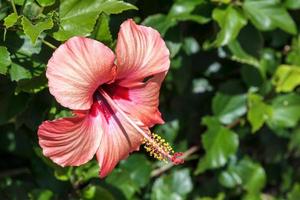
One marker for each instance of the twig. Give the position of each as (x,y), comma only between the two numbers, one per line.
(186,154)
(166,167)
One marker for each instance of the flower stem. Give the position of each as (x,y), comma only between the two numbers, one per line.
(14,7)
(49,44)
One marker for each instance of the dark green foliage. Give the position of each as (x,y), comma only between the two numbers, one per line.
(231,99)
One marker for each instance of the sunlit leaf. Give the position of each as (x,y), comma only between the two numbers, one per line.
(5,60)
(258,112)
(268,15)
(219,144)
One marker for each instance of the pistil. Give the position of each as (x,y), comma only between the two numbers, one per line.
(154,144)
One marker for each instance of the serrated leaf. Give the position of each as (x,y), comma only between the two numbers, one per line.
(79,17)
(268,15)
(258,111)
(5,60)
(33,31)
(286,78)
(231,21)
(219,144)
(229,107)
(10,20)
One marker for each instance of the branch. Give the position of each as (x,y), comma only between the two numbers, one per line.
(166,167)
(14,172)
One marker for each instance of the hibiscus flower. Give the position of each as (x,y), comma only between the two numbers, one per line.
(114,99)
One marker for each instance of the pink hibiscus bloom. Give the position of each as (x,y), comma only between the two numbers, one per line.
(114,100)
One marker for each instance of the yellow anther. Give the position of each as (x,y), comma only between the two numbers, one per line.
(157,147)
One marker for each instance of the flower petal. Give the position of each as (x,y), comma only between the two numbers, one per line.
(141,100)
(119,139)
(141,52)
(71,141)
(76,69)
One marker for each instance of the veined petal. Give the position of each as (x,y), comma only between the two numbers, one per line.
(140,52)
(119,139)
(76,69)
(141,100)
(71,141)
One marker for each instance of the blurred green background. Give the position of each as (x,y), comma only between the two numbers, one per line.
(231,99)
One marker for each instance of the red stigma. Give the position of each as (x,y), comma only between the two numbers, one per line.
(176,160)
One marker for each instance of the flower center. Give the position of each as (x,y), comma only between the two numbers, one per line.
(154,144)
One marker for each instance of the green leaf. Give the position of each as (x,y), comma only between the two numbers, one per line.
(10,104)
(231,21)
(5,60)
(240,55)
(292,4)
(139,168)
(221,196)
(87,171)
(174,186)
(102,31)
(34,85)
(45,3)
(182,8)
(258,111)
(250,175)
(18,72)
(19,2)
(182,11)
(96,192)
(286,78)
(294,143)
(190,45)
(228,108)
(293,57)
(160,22)
(33,31)
(120,178)
(40,194)
(295,193)
(79,17)
(268,15)
(116,6)
(286,111)
(10,20)
(219,144)
(230,178)
(174,48)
